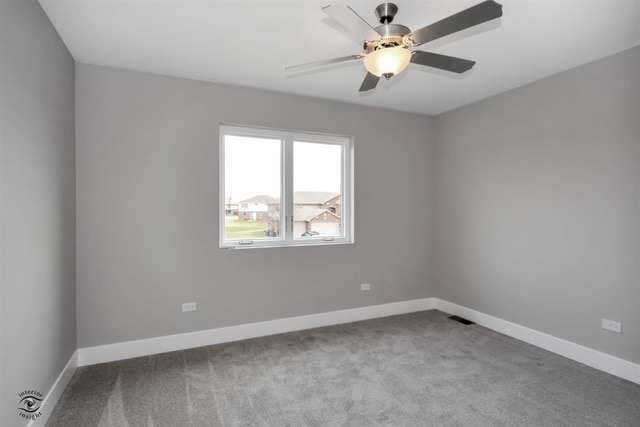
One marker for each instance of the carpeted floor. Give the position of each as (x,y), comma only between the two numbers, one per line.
(409,370)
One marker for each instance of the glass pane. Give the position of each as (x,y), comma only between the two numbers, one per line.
(317,184)
(252,187)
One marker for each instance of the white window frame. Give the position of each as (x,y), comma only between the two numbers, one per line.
(286,200)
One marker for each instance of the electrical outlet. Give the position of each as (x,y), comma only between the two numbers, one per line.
(612,325)
(188,306)
(365,287)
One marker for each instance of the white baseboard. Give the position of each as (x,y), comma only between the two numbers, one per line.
(588,356)
(52,397)
(127,350)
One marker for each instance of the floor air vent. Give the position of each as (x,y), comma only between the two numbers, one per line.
(462,320)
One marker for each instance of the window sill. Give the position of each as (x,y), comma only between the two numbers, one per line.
(264,245)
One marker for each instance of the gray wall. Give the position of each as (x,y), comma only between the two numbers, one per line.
(37,211)
(147,209)
(538,205)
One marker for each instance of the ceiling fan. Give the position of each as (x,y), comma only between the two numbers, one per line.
(387,45)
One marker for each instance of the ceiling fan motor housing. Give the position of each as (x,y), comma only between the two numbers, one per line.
(392,35)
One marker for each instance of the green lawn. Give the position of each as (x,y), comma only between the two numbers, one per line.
(239,229)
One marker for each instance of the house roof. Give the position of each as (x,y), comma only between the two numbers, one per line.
(267,200)
(307,213)
(313,197)
(299,197)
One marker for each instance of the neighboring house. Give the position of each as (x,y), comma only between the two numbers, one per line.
(310,219)
(256,208)
(317,211)
(314,211)
(320,199)
(231,207)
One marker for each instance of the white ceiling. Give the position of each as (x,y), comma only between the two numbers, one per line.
(248,43)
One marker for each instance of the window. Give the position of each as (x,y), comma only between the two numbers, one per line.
(290,188)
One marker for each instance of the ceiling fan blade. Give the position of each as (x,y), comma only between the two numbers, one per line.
(311,65)
(350,20)
(443,62)
(370,82)
(483,12)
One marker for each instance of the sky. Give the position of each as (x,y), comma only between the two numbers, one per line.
(252,167)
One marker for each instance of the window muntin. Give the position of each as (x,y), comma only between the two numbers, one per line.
(290,188)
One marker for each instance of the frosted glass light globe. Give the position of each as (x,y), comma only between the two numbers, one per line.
(387,62)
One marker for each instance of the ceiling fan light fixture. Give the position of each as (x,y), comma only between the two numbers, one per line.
(388,61)
(386,47)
